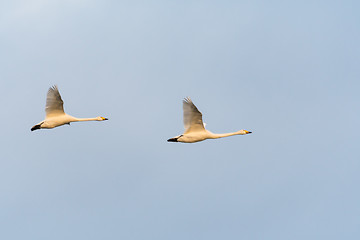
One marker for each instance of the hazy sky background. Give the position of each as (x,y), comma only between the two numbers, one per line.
(286,70)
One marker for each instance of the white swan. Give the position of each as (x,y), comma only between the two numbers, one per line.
(55,115)
(194,127)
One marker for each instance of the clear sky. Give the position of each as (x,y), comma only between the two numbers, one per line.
(286,70)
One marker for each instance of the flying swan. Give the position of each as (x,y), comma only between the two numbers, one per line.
(55,115)
(194,127)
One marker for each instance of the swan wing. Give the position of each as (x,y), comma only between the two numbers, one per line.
(192,117)
(54,103)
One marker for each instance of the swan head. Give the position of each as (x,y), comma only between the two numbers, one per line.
(101,119)
(243,132)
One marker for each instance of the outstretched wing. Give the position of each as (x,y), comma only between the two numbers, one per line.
(54,103)
(192,117)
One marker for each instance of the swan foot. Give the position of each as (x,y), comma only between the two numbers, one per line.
(36,127)
(172,140)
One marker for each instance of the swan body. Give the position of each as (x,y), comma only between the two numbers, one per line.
(195,128)
(55,115)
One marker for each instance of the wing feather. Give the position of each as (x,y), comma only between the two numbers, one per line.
(54,103)
(192,117)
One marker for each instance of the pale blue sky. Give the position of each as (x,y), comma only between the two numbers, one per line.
(286,70)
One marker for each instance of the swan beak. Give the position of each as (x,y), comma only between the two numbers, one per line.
(104,118)
(247,132)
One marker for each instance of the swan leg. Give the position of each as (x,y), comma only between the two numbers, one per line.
(175,139)
(172,140)
(36,127)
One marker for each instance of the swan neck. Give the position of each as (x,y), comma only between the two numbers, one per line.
(84,119)
(221,135)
